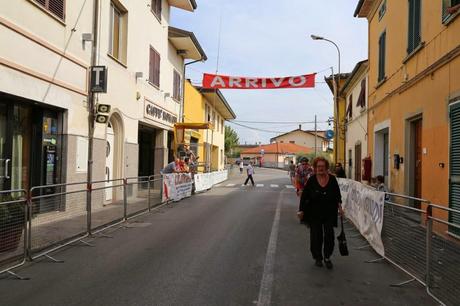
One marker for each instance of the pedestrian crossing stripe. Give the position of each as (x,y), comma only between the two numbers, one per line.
(260,185)
(231,185)
(289,187)
(274,185)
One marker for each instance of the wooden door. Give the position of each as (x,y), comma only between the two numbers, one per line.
(358,162)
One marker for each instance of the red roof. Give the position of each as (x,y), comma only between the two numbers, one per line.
(280,148)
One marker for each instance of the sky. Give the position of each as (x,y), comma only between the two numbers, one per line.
(271,38)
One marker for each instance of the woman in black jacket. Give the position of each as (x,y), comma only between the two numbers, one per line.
(319,206)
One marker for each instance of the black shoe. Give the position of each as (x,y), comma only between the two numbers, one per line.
(328,263)
(318,263)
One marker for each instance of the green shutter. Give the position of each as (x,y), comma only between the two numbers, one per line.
(454,190)
(413,34)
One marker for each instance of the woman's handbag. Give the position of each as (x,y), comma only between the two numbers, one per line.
(342,241)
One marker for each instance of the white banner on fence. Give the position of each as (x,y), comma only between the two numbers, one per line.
(176,186)
(364,207)
(204,181)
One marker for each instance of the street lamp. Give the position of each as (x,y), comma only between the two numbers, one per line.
(337,80)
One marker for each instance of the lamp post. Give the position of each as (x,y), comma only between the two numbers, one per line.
(336,94)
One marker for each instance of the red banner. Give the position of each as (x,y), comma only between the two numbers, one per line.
(229,82)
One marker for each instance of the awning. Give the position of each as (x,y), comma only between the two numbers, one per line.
(186,44)
(188,5)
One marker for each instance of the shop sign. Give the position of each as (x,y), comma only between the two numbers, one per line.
(158,114)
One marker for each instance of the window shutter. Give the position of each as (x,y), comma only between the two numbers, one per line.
(156,76)
(56,7)
(362,95)
(43,2)
(349,113)
(382,46)
(413,35)
(410,30)
(417,23)
(151,65)
(454,190)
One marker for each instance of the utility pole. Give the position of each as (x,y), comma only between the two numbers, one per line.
(316,138)
(91,109)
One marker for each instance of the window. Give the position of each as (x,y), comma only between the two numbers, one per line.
(382,47)
(156,8)
(118,33)
(154,67)
(349,113)
(383,9)
(450,8)
(55,7)
(291,141)
(177,86)
(362,95)
(413,34)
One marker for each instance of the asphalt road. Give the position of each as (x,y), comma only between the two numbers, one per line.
(232,245)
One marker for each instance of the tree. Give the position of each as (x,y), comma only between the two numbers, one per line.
(231,140)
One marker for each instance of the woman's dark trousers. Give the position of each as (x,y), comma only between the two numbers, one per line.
(321,234)
(249,178)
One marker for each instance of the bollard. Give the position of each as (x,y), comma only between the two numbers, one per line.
(125,199)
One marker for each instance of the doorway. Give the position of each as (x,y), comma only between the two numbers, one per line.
(147,144)
(381,154)
(358,162)
(415,153)
(109,161)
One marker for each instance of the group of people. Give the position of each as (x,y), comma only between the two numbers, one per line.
(188,163)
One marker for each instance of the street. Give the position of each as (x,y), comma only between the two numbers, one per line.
(232,245)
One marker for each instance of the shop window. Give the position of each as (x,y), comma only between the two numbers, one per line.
(154,67)
(118,32)
(55,7)
(413,35)
(155,7)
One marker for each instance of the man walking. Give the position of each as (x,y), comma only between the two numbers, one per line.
(250,172)
(241,166)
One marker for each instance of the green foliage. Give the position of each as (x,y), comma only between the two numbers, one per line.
(231,141)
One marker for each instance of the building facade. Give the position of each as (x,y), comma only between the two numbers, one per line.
(44,88)
(275,155)
(414,94)
(304,138)
(355,92)
(201,106)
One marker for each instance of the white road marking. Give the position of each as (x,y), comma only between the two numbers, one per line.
(230,185)
(260,185)
(266,285)
(218,185)
(274,186)
(289,187)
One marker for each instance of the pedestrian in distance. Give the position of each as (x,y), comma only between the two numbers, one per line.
(291,172)
(320,204)
(250,172)
(303,173)
(339,171)
(241,166)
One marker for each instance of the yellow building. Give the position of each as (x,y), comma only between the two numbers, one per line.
(339,119)
(414,95)
(207,105)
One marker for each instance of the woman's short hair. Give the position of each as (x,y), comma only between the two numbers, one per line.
(320,159)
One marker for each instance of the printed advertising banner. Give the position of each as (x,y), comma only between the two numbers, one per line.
(204,181)
(364,207)
(176,186)
(213,81)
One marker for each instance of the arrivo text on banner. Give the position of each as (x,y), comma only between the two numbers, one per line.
(214,81)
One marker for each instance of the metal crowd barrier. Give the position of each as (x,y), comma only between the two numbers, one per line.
(13,225)
(418,240)
(47,218)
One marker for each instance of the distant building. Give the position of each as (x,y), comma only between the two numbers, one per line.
(355,92)
(275,155)
(304,138)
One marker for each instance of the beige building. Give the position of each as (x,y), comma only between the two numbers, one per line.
(304,138)
(355,91)
(44,87)
(274,155)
